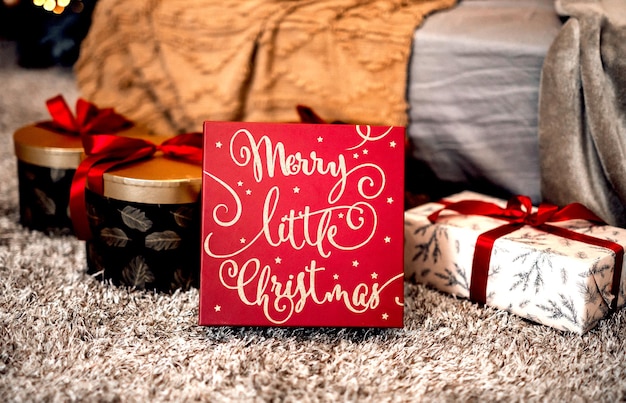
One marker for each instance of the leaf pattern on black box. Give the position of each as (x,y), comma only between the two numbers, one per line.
(135,219)
(46,203)
(95,218)
(114,237)
(137,273)
(26,215)
(44,198)
(142,245)
(183,216)
(181,280)
(57,174)
(166,240)
(95,260)
(30,175)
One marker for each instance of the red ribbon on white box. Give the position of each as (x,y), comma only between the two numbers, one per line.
(519,213)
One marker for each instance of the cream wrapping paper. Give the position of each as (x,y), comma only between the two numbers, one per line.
(555,281)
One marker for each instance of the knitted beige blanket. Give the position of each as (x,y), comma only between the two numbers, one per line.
(171,66)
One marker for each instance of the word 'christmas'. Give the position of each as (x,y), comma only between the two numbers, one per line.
(256,285)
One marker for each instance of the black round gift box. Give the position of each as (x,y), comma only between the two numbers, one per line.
(46,163)
(146,226)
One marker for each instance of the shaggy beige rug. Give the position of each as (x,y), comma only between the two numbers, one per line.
(64,336)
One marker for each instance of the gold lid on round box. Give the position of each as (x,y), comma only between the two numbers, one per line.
(155,180)
(46,148)
(38,146)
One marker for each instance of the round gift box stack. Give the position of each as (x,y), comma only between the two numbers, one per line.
(146,226)
(46,164)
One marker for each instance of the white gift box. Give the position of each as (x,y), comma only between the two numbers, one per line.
(549,279)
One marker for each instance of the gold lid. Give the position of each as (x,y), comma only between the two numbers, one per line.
(158,180)
(42,147)
(47,148)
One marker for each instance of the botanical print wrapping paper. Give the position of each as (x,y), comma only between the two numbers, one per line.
(548,279)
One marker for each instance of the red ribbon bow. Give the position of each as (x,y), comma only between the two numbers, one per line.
(519,212)
(89,118)
(106,151)
(519,209)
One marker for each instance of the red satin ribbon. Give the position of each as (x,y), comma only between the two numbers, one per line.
(89,118)
(106,151)
(518,213)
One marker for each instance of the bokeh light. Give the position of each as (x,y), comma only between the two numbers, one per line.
(58,6)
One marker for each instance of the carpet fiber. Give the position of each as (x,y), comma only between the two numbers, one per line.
(64,336)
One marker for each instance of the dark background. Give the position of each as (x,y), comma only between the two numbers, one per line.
(44,38)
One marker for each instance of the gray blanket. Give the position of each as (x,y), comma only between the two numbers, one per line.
(582,109)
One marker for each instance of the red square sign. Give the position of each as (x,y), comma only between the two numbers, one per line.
(302,225)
